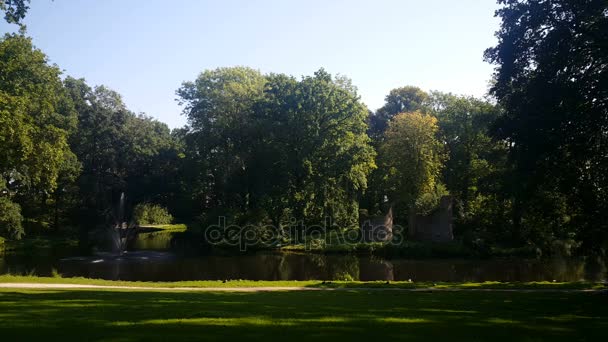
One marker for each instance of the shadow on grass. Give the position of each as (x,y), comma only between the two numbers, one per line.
(489,285)
(320,316)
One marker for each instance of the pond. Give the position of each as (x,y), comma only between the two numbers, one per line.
(154,259)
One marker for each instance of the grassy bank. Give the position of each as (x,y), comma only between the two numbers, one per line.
(39,245)
(411,249)
(166,227)
(308,283)
(111,315)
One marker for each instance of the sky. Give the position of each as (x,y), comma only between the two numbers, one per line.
(145,49)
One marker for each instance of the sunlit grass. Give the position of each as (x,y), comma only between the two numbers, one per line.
(355,315)
(56,279)
(168,227)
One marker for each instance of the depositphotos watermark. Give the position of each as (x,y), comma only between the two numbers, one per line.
(266,235)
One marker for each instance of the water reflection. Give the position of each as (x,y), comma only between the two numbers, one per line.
(165,256)
(152,266)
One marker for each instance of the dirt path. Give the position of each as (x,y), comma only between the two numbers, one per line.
(38,286)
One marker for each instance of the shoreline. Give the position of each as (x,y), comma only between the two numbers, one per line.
(60,286)
(17,281)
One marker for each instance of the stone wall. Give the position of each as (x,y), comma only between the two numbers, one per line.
(436,226)
(378,228)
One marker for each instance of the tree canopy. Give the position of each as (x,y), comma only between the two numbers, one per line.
(526,166)
(36,117)
(309,135)
(551,79)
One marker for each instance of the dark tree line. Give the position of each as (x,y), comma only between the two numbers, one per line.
(527,166)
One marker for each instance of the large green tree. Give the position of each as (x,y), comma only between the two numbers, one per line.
(314,132)
(219,107)
(36,117)
(464,124)
(119,151)
(398,100)
(274,144)
(412,157)
(552,80)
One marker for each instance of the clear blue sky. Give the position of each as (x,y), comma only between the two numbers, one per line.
(146,49)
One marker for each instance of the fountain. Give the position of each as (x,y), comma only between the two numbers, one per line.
(121,233)
(111,255)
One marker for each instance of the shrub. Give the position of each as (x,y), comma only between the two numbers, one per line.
(148,213)
(10,219)
(429,201)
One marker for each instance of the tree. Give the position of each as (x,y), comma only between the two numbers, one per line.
(10,219)
(14,10)
(219,105)
(399,100)
(37,118)
(119,151)
(276,145)
(464,124)
(412,158)
(550,77)
(314,136)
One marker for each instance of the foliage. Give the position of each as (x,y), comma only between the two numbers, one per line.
(412,157)
(427,202)
(550,78)
(14,10)
(399,100)
(119,151)
(10,219)
(37,118)
(148,213)
(474,158)
(527,172)
(290,148)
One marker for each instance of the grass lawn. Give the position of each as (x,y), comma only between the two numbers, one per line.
(357,315)
(167,227)
(545,285)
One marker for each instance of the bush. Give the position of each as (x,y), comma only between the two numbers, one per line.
(10,219)
(148,213)
(429,201)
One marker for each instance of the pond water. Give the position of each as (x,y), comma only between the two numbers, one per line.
(157,261)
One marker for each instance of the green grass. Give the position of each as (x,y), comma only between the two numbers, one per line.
(39,244)
(357,315)
(409,249)
(167,227)
(308,283)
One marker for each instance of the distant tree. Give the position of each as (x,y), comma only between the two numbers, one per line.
(399,100)
(464,124)
(219,106)
(551,79)
(10,219)
(272,143)
(314,138)
(412,158)
(119,151)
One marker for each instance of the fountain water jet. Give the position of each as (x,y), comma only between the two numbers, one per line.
(121,233)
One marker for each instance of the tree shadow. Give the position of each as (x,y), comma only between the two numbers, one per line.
(319,315)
